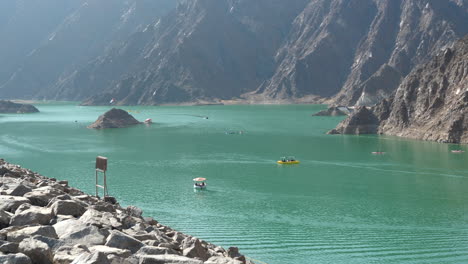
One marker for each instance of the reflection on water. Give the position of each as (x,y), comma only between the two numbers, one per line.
(342,204)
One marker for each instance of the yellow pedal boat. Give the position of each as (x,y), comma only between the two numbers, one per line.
(288,161)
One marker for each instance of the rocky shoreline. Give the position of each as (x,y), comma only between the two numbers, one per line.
(430,104)
(43,220)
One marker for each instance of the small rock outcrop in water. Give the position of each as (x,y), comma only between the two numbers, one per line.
(45,221)
(363,121)
(8,107)
(334,111)
(430,104)
(114,118)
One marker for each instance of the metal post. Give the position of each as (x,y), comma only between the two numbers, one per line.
(101,166)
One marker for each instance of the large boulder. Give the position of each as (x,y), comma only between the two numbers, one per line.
(68,226)
(67,207)
(114,118)
(20,235)
(8,107)
(32,216)
(94,258)
(11,203)
(193,248)
(149,250)
(67,254)
(42,195)
(18,258)
(111,252)
(88,236)
(8,247)
(4,219)
(38,251)
(100,219)
(165,259)
(19,190)
(120,240)
(222,260)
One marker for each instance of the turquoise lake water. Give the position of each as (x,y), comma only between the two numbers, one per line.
(340,205)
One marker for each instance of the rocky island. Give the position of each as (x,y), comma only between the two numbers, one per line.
(334,111)
(430,104)
(45,221)
(114,118)
(9,107)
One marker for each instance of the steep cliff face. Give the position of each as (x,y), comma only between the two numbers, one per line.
(431,103)
(205,50)
(24,26)
(78,33)
(358,51)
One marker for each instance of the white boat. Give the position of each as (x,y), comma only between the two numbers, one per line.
(199,183)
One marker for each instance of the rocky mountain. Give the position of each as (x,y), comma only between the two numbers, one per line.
(24,26)
(206,50)
(354,51)
(357,51)
(209,51)
(430,104)
(74,32)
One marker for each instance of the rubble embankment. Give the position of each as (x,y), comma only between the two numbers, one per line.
(44,220)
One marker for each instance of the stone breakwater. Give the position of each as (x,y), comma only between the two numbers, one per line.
(43,220)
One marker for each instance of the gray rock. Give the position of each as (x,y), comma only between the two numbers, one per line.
(67,254)
(53,243)
(68,226)
(11,203)
(150,220)
(233,252)
(134,211)
(67,208)
(166,259)
(41,196)
(122,253)
(19,190)
(63,182)
(32,216)
(193,248)
(18,258)
(168,245)
(222,260)
(120,240)
(61,218)
(4,219)
(110,199)
(8,247)
(20,235)
(101,219)
(62,197)
(88,236)
(104,207)
(150,250)
(38,251)
(94,258)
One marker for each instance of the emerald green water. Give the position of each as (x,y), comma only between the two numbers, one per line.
(340,205)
